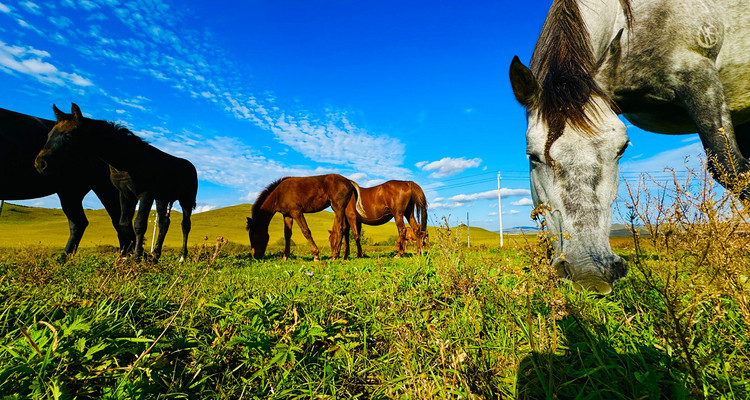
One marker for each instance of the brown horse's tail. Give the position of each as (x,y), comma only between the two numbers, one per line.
(420,206)
(360,207)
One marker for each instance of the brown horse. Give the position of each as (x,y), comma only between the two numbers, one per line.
(411,238)
(294,196)
(392,199)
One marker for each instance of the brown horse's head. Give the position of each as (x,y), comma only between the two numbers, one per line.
(258,239)
(57,150)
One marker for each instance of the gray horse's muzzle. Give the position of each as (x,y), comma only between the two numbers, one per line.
(598,275)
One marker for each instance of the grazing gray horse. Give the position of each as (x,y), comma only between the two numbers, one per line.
(673,67)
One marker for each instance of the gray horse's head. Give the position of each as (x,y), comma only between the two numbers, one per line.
(573,156)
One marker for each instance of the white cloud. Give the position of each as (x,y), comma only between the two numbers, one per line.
(30,61)
(30,6)
(4,9)
(523,202)
(438,205)
(490,194)
(448,166)
(203,208)
(511,212)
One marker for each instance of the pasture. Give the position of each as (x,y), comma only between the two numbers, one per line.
(456,323)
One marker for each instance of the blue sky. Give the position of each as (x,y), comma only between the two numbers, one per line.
(255,90)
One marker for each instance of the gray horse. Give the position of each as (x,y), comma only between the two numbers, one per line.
(668,66)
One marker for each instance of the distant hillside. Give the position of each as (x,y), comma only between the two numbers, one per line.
(21,225)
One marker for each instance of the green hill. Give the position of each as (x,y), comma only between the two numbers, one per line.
(21,225)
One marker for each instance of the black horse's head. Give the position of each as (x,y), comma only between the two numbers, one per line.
(58,151)
(258,239)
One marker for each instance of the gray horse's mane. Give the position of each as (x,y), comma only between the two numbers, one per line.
(564,65)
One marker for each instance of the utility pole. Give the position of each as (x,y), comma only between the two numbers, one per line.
(468,236)
(499,208)
(153,237)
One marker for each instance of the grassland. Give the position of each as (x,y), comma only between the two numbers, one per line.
(21,226)
(479,323)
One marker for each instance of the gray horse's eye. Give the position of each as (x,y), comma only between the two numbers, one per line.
(534,158)
(622,150)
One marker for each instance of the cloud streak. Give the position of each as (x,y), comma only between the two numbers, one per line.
(448,166)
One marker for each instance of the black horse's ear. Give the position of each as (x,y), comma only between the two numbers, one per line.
(77,114)
(249,224)
(525,86)
(58,114)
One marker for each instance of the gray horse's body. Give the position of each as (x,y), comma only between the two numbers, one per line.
(669,67)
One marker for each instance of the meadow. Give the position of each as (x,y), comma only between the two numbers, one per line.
(457,322)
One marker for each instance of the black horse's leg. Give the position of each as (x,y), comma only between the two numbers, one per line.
(110,198)
(127,210)
(162,212)
(141,222)
(186,225)
(73,208)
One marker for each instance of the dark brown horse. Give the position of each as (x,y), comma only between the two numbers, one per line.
(294,196)
(392,199)
(139,170)
(21,138)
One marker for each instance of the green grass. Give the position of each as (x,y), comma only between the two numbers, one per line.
(455,323)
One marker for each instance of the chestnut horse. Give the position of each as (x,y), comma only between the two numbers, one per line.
(294,196)
(139,170)
(21,137)
(392,199)
(411,238)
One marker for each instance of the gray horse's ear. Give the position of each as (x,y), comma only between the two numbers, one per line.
(612,54)
(525,86)
(77,114)
(58,114)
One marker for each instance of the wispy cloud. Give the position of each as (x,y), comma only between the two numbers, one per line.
(448,166)
(157,44)
(32,62)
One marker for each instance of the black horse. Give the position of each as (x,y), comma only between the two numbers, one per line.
(139,170)
(21,137)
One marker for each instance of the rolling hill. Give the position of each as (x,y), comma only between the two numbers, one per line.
(20,225)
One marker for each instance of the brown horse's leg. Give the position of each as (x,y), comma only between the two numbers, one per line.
(141,223)
(399,217)
(162,212)
(359,237)
(186,225)
(417,230)
(300,218)
(288,222)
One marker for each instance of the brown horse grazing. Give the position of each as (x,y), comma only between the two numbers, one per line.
(411,238)
(21,137)
(392,199)
(139,170)
(294,196)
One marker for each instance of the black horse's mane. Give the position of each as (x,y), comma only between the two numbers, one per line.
(121,130)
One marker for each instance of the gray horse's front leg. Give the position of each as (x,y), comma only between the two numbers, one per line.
(702,96)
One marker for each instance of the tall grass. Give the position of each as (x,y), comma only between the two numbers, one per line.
(483,323)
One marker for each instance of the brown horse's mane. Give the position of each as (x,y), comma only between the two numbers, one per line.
(564,64)
(264,195)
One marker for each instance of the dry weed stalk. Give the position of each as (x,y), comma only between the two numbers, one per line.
(697,258)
